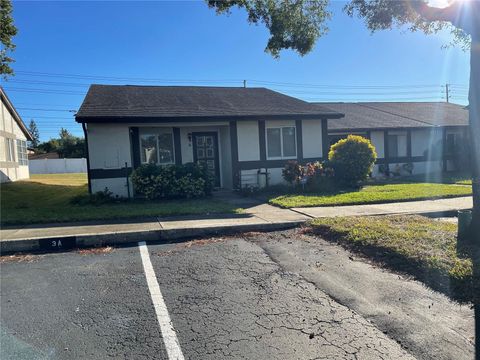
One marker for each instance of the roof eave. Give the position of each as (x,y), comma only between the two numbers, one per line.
(16,115)
(126,119)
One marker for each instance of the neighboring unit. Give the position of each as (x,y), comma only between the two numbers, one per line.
(13,142)
(410,137)
(243,135)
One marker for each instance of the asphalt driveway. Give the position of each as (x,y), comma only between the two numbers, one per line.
(216,298)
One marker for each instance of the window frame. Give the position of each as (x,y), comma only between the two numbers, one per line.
(22,155)
(282,156)
(10,150)
(156,134)
(454,136)
(390,155)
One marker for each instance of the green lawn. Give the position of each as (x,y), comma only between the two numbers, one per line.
(46,198)
(452,177)
(75,179)
(420,246)
(373,194)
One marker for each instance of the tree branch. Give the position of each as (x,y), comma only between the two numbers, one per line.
(450,13)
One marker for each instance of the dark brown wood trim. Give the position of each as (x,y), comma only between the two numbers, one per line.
(444,149)
(234,153)
(386,154)
(136,161)
(221,118)
(325,141)
(404,159)
(110,173)
(177,145)
(299,139)
(271,164)
(262,140)
(409,143)
(89,175)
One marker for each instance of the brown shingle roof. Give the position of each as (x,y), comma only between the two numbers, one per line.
(374,115)
(136,103)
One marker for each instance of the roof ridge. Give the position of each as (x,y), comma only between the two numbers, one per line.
(181,86)
(391,113)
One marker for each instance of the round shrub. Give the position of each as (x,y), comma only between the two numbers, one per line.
(352,159)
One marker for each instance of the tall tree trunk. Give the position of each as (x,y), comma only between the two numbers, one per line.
(474,122)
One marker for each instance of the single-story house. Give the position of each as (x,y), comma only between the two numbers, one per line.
(13,142)
(245,136)
(409,137)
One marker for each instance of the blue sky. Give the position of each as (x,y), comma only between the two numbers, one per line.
(64,46)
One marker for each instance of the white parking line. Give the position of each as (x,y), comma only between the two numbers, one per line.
(166,327)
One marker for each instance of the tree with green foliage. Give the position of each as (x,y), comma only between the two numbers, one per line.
(7,32)
(33,130)
(66,146)
(70,146)
(297,24)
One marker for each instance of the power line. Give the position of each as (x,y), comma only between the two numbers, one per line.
(34,109)
(356,93)
(45,91)
(344,86)
(239,81)
(47,83)
(79,76)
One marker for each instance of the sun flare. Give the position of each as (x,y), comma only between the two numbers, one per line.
(443,3)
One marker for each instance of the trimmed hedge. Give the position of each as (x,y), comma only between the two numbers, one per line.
(172,181)
(352,159)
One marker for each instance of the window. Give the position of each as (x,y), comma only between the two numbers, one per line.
(10,149)
(397,145)
(156,149)
(165,148)
(451,142)
(148,146)
(281,142)
(22,152)
(393,146)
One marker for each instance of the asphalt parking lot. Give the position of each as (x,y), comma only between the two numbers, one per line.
(219,298)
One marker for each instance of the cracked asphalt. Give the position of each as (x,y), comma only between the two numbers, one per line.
(227,298)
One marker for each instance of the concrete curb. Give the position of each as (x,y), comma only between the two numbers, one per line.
(62,243)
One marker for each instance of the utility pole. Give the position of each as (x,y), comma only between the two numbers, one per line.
(446,92)
(244,83)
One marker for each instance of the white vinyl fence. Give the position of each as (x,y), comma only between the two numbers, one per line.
(57,166)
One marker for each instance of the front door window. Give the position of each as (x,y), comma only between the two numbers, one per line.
(206,152)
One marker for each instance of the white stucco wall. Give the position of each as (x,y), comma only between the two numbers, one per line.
(312,138)
(377,139)
(10,171)
(108,146)
(248,141)
(118,186)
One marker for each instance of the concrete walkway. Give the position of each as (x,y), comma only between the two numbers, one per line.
(409,207)
(256,217)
